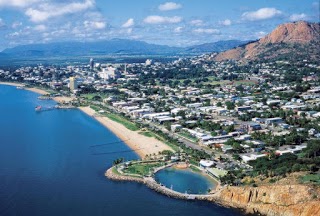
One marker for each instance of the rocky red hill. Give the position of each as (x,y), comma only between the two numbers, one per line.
(298,40)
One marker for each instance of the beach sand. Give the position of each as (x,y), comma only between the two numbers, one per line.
(11,84)
(141,144)
(36,90)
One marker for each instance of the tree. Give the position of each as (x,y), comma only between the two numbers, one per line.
(167,125)
(230,105)
(313,148)
(118,161)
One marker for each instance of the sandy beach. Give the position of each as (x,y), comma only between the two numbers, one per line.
(141,144)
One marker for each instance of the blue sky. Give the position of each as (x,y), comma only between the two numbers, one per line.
(178,23)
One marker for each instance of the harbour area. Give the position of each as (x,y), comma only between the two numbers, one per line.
(119,173)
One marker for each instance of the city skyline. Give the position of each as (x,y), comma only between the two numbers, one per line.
(182,23)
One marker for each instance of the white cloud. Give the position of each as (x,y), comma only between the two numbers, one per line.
(40,28)
(17,3)
(206,31)
(128,24)
(162,20)
(197,22)
(16,24)
(46,11)
(178,29)
(226,22)
(169,6)
(2,24)
(129,30)
(261,14)
(14,34)
(261,34)
(94,24)
(297,17)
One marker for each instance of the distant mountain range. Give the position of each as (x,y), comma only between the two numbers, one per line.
(289,41)
(112,47)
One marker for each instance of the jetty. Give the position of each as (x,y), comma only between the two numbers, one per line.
(49,108)
(43,97)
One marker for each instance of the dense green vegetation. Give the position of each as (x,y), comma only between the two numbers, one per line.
(279,166)
(274,165)
(310,178)
(117,118)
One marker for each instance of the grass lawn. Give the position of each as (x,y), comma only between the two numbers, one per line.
(311,178)
(228,82)
(141,169)
(194,168)
(123,121)
(147,133)
(188,136)
(95,108)
(89,96)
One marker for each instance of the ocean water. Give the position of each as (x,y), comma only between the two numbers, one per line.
(185,180)
(49,166)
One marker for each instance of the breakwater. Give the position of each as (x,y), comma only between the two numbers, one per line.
(114,174)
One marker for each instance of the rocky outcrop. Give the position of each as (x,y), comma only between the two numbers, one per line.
(301,38)
(283,200)
(298,32)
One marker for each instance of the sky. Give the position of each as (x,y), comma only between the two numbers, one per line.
(174,23)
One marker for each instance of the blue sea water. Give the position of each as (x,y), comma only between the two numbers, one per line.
(49,167)
(185,180)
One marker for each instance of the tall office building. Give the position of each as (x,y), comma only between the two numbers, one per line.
(73,83)
(91,64)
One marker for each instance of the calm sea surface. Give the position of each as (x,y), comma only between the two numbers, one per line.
(185,180)
(48,166)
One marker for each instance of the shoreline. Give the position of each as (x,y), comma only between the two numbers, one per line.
(38,91)
(139,143)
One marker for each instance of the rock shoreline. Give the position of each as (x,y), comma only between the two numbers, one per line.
(152,184)
(272,200)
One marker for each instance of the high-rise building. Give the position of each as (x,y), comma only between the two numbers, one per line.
(148,62)
(91,64)
(73,83)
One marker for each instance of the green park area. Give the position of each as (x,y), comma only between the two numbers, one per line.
(143,169)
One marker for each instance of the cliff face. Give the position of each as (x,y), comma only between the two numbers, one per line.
(300,38)
(284,200)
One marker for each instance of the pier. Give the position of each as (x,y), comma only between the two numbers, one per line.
(43,109)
